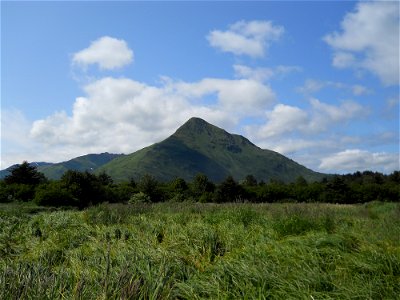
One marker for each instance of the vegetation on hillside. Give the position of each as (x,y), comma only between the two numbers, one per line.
(200,147)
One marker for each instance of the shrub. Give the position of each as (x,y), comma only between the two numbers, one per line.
(53,194)
(17,192)
(140,198)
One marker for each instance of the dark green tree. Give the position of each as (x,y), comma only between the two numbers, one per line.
(105,179)
(229,191)
(178,190)
(337,191)
(54,194)
(86,187)
(300,181)
(179,185)
(150,186)
(201,184)
(22,182)
(250,180)
(202,188)
(25,174)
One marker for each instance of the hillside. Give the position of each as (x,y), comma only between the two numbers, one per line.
(89,162)
(199,147)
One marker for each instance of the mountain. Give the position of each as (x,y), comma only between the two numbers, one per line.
(89,162)
(199,147)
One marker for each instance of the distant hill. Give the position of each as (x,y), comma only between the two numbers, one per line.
(199,147)
(89,162)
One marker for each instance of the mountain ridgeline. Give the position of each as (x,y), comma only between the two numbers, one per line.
(89,162)
(199,147)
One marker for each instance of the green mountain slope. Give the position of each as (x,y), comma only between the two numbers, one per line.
(199,147)
(89,162)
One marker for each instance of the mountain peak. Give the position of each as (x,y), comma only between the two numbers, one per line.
(197,126)
(195,122)
(199,132)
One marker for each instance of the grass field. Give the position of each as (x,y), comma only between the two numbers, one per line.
(196,251)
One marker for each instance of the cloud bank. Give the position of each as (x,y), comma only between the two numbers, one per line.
(356,159)
(124,115)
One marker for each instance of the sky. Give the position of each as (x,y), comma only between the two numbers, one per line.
(317,81)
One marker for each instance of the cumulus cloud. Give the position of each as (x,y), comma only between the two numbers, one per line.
(246,38)
(241,96)
(325,115)
(369,39)
(263,74)
(356,159)
(107,52)
(124,115)
(285,119)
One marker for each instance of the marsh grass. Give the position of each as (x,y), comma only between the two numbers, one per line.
(198,251)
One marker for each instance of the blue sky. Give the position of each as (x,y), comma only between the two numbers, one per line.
(315,81)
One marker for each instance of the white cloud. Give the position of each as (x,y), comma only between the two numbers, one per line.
(123,115)
(324,115)
(343,60)
(263,74)
(359,90)
(285,119)
(107,52)
(14,137)
(369,40)
(246,38)
(312,86)
(16,143)
(356,159)
(14,125)
(241,96)
(258,74)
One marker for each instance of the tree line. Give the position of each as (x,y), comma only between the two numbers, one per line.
(83,189)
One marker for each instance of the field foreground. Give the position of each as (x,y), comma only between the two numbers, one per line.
(195,251)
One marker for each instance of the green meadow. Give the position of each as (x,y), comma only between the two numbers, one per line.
(201,251)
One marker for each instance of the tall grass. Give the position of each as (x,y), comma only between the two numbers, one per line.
(199,251)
